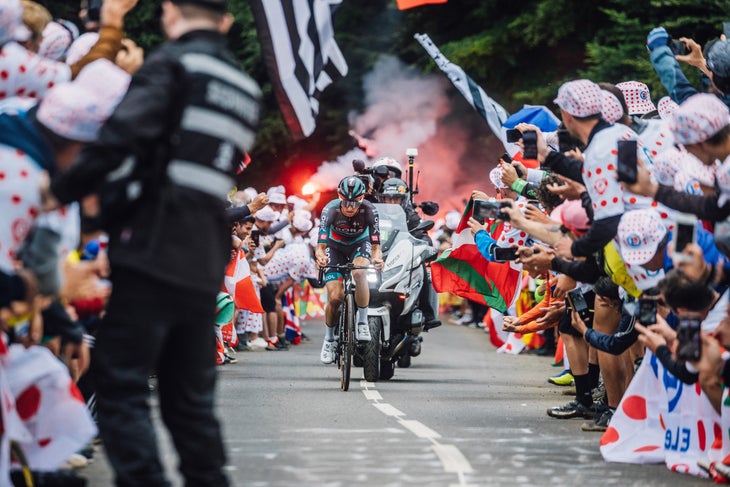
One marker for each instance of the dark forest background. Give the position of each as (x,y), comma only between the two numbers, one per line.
(519,52)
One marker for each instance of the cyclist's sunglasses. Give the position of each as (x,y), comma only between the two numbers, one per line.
(351,203)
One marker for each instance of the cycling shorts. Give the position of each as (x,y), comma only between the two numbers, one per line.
(342,254)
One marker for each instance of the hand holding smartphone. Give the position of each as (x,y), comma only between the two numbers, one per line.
(578,303)
(504,254)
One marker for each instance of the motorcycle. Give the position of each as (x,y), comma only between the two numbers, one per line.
(395,320)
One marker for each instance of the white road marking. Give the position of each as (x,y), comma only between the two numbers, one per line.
(372,395)
(388,410)
(452,460)
(419,429)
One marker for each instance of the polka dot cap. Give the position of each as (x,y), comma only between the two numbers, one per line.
(697,119)
(638,99)
(611,110)
(668,164)
(639,234)
(80,47)
(56,41)
(666,107)
(580,98)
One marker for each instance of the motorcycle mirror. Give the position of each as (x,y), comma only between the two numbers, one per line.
(429,208)
(424,226)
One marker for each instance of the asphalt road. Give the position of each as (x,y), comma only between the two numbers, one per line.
(461,415)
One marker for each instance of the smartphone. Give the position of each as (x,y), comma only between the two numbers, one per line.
(627,161)
(726,29)
(255,237)
(565,141)
(688,336)
(485,210)
(501,215)
(503,254)
(685,233)
(677,47)
(529,140)
(513,135)
(647,311)
(578,303)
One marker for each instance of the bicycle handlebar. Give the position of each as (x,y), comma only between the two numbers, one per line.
(349,267)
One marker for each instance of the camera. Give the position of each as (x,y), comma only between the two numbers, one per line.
(94,10)
(411,152)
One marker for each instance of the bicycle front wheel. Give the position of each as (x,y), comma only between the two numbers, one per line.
(347,340)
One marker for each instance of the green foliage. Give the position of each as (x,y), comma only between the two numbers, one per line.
(519,52)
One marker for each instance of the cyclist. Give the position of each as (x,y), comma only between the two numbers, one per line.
(348,232)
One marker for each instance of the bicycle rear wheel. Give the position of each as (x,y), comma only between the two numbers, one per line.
(347,340)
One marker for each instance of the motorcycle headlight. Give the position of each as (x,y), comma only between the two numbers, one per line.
(373,278)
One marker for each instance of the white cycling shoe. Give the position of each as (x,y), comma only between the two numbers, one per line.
(362,332)
(327,356)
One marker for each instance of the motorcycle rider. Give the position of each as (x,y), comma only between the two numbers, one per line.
(348,232)
(395,191)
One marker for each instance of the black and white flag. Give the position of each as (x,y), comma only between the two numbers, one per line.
(493,112)
(301,55)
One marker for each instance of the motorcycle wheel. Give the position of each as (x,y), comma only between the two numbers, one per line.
(371,352)
(404,361)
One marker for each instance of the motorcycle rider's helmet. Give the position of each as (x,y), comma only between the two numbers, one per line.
(396,189)
(351,191)
(392,166)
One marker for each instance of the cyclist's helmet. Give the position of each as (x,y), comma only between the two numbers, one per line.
(351,190)
(392,166)
(395,188)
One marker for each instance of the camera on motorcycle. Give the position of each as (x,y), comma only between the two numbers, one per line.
(359,166)
(429,208)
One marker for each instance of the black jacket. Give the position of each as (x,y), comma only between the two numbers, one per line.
(177,100)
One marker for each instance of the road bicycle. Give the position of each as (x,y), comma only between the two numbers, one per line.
(346,339)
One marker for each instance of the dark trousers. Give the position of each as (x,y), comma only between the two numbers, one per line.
(154,326)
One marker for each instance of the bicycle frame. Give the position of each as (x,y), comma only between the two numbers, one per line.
(346,323)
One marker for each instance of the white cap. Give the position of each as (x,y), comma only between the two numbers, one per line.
(302,223)
(639,235)
(267,214)
(78,109)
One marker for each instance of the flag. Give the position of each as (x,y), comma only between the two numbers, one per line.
(406,4)
(490,110)
(237,282)
(463,271)
(301,55)
(291,320)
